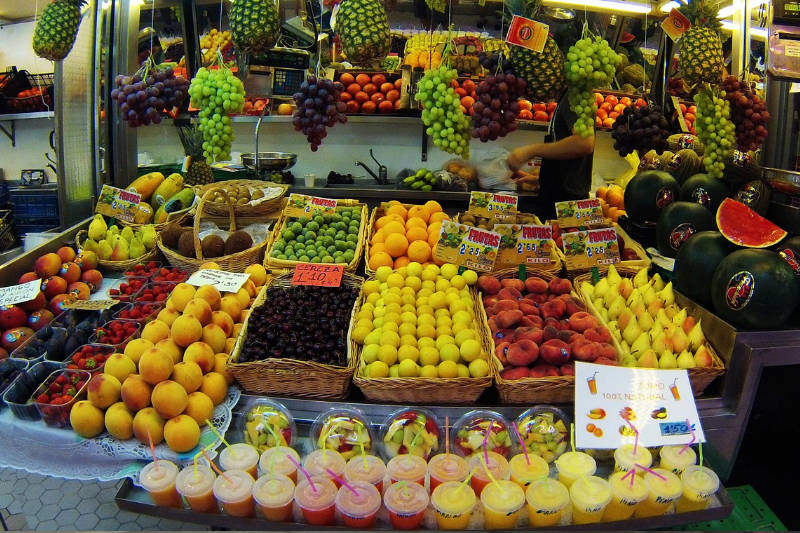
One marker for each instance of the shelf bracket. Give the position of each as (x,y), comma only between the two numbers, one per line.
(424,155)
(12,135)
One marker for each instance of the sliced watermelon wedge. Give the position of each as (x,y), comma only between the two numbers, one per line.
(744,227)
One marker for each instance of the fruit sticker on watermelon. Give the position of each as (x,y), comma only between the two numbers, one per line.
(744,227)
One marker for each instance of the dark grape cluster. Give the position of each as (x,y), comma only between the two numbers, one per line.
(318,107)
(142,98)
(490,61)
(642,130)
(748,113)
(496,108)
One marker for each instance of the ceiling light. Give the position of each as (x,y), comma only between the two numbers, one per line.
(727,11)
(669,6)
(618,6)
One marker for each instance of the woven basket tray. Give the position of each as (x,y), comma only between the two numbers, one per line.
(643,261)
(116,266)
(221,210)
(237,262)
(291,377)
(172,218)
(700,378)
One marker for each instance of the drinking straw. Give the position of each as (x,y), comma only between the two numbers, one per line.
(215,467)
(152,449)
(344,483)
(304,471)
(268,426)
(489,474)
(364,455)
(469,476)
(404,486)
(662,478)
(572,436)
(219,436)
(447,435)
(630,473)
(521,442)
(688,444)
(701,453)
(485,439)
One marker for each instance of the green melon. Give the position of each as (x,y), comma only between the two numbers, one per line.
(648,193)
(696,262)
(755,195)
(704,190)
(754,289)
(684,163)
(678,222)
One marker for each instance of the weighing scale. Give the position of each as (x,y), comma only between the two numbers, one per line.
(279,72)
(783,59)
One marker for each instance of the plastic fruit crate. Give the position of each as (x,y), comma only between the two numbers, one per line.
(18,395)
(57,415)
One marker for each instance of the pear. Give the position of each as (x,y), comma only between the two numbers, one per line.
(671,311)
(667,360)
(97,228)
(121,251)
(588,289)
(629,361)
(616,307)
(613,276)
(127,234)
(149,236)
(657,282)
(631,332)
(633,297)
(649,296)
(136,248)
(638,308)
(666,295)
(679,317)
(625,288)
(625,347)
(686,360)
(103,250)
(624,318)
(640,279)
(702,358)
(611,294)
(598,303)
(662,343)
(696,337)
(641,344)
(654,307)
(603,315)
(662,320)
(646,322)
(648,359)
(601,288)
(90,245)
(687,324)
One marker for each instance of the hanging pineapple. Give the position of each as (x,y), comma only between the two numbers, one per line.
(363,29)
(701,47)
(254,25)
(57,28)
(198,173)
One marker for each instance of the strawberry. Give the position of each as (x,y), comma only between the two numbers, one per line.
(43,398)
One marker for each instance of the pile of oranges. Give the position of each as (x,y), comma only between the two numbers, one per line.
(612,199)
(405,233)
(369,94)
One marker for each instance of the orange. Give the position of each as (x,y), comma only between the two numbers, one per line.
(416,222)
(398,210)
(393,227)
(381,222)
(433,206)
(616,197)
(377,248)
(416,234)
(433,238)
(396,244)
(401,261)
(378,236)
(419,211)
(419,251)
(380,259)
(438,217)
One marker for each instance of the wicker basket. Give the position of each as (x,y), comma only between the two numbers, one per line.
(276,265)
(290,376)
(172,218)
(232,263)
(421,390)
(266,207)
(642,262)
(116,266)
(700,378)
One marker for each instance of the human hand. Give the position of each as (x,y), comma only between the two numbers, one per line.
(524,177)
(517,158)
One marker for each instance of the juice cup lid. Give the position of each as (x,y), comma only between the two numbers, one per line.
(158,476)
(273,491)
(239,456)
(323,498)
(590,491)
(373,472)
(406,498)
(538,467)
(193,482)
(625,490)
(408,467)
(317,461)
(498,465)
(453,497)
(448,467)
(280,464)
(673,454)
(700,479)
(234,486)
(625,457)
(577,463)
(668,487)
(551,491)
(365,503)
(503,497)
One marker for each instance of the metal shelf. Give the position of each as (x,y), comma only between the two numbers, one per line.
(14,117)
(525,125)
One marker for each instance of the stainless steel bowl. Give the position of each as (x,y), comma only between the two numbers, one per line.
(270,160)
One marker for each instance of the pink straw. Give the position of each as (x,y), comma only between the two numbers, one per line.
(522,443)
(694,438)
(344,483)
(485,439)
(152,449)
(662,478)
(632,474)
(304,471)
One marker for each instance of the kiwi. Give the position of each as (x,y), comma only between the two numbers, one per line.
(171,234)
(186,244)
(238,241)
(213,246)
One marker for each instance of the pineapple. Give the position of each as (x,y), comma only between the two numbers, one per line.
(57,28)
(199,173)
(363,29)
(254,25)
(701,47)
(543,71)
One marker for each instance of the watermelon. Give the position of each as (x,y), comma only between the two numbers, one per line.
(648,193)
(755,195)
(754,289)
(704,190)
(696,262)
(741,167)
(678,222)
(684,164)
(789,250)
(744,227)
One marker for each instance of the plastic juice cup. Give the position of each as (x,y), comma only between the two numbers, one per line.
(280,464)
(406,504)
(366,468)
(502,502)
(410,468)
(625,498)
(498,466)
(274,495)
(661,493)
(453,503)
(547,499)
(317,461)
(196,485)
(572,465)
(240,456)
(676,462)
(234,491)
(358,510)
(523,474)
(590,496)
(699,484)
(447,467)
(158,479)
(625,459)
(318,507)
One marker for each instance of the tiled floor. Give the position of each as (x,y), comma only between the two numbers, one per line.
(31,501)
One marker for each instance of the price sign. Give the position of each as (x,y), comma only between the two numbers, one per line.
(90,305)
(304,205)
(223,281)
(575,213)
(524,244)
(467,246)
(613,403)
(118,203)
(527,33)
(681,119)
(491,205)
(675,25)
(20,293)
(585,249)
(318,275)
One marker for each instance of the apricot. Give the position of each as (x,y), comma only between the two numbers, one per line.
(181,294)
(489,284)
(536,285)
(147,425)
(103,390)
(229,345)
(155,331)
(186,329)
(202,354)
(188,375)
(223,320)
(232,306)
(258,274)
(135,348)
(155,366)
(198,308)
(215,387)
(555,351)
(243,296)
(136,392)
(168,316)
(221,366)
(169,399)
(86,419)
(522,353)
(169,347)
(214,336)
(251,288)
(119,421)
(120,366)
(200,407)
(237,327)
(514,283)
(182,433)
(210,294)
(47,265)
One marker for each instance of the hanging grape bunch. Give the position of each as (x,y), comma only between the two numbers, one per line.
(446,123)
(216,93)
(590,63)
(496,107)
(491,60)
(148,93)
(642,130)
(714,129)
(318,106)
(748,112)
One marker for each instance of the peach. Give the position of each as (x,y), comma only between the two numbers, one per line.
(186,329)
(581,321)
(86,419)
(578,340)
(103,390)
(598,334)
(568,369)
(200,407)
(155,331)
(155,366)
(536,285)
(586,352)
(70,272)
(243,296)
(169,347)
(229,344)
(574,305)
(34,305)
(119,421)
(27,277)
(198,308)
(531,334)
(230,304)
(148,425)
(489,301)
(250,287)
(224,321)
(182,433)
(566,335)
(54,285)
(258,274)
(214,336)
(509,293)
(555,351)
(136,392)
(489,284)
(550,332)
(120,366)
(47,265)
(492,324)
(86,260)
(168,316)
(605,361)
(169,399)
(505,305)
(210,294)
(553,308)
(501,350)
(514,283)
(522,353)
(80,290)
(180,296)
(544,371)
(550,321)
(221,366)
(608,351)
(237,327)
(39,319)
(560,286)
(66,254)
(537,298)
(508,319)
(135,348)
(215,387)
(93,278)
(530,321)
(528,309)
(188,375)
(502,334)
(202,354)
(511,374)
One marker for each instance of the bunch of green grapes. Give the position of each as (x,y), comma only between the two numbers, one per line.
(590,63)
(447,125)
(714,129)
(217,93)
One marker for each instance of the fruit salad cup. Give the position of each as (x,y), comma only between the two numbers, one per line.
(545,432)
(412,431)
(470,431)
(266,421)
(344,430)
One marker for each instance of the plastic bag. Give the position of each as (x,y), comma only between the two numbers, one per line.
(493,172)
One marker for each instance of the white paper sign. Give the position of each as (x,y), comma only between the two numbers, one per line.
(223,281)
(20,293)
(613,403)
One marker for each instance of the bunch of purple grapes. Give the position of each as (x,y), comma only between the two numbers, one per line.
(495,110)
(748,112)
(642,130)
(318,107)
(142,100)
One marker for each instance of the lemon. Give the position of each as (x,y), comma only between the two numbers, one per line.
(395,280)
(382,273)
(392,299)
(457,328)
(449,352)
(424,292)
(393,371)
(390,326)
(371,286)
(413,282)
(443,320)
(442,284)
(408,369)
(448,369)
(470,276)
(452,295)
(408,340)
(379,312)
(409,317)
(409,308)
(442,312)
(424,310)
(479,368)
(463,335)
(373,338)
(465,294)
(368,307)
(403,271)
(438,300)
(456,306)
(428,284)
(433,268)
(394,290)
(392,316)
(425,330)
(408,352)
(448,271)
(372,298)
(429,275)
(364,314)
(378,323)
(384,287)
(470,350)
(370,353)
(406,328)
(426,320)
(426,342)
(462,317)
(421,301)
(388,354)
(429,371)
(391,338)
(360,333)
(444,331)
(378,369)
(394,309)
(409,299)
(367,323)
(458,282)
(463,371)
(414,269)
(428,355)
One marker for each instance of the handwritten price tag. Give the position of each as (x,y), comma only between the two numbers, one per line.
(467,246)
(318,275)
(118,203)
(223,281)
(20,293)
(91,305)
(527,33)
(491,205)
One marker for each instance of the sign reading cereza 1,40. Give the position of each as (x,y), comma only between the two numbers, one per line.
(467,246)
